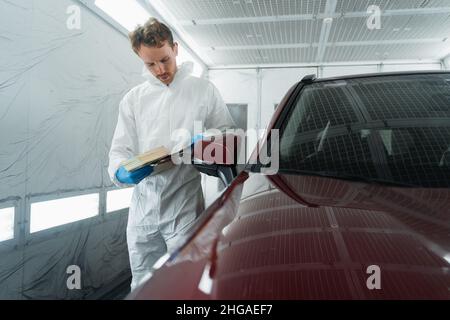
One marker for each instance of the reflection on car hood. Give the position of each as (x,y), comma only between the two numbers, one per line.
(425,210)
(279,249)
(276,248)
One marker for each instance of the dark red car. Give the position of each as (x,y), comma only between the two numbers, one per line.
(359,207)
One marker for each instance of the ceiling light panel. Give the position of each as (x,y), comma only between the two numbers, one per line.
(226,58)
(427,26)
(362,5)
(393,27)
(267,33)
(290,56)
(260,31)
(383,52)
(436,3)
(265,56)
(208,9)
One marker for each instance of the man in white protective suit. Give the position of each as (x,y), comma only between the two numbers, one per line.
(164,204)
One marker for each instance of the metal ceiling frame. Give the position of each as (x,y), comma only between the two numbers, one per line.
(329,64)
(330,9)
(324,44)
(321,16)
(328,17)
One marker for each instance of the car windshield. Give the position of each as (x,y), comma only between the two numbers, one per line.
(392,129)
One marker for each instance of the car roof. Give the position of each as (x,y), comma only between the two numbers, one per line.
(312,79)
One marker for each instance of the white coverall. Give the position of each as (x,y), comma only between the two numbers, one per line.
(165,204)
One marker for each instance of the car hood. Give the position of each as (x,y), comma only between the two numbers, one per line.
(360,242)
(425,211)
(332,251)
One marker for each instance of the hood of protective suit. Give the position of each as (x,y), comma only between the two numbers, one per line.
(184,70)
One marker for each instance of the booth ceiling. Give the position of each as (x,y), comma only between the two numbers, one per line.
(255,32)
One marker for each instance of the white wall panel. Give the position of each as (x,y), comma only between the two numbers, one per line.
(275,84)
(329,72)
(239,86)
(236,87)
(411,67)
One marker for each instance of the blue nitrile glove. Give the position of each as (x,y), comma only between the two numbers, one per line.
(134,177)
(198,137)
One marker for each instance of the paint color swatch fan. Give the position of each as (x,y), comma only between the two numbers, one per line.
(154,157)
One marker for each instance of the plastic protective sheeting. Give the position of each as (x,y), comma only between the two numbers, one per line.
(63,72)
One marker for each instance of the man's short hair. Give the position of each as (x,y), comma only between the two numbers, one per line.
(152,34)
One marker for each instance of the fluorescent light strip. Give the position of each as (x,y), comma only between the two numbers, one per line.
(6,224)
(53,213)
(128,13)
(118,199)
(162,10)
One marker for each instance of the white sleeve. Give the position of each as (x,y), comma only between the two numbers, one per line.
(124,144)
(218,115)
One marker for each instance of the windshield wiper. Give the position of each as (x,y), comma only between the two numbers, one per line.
(345,176)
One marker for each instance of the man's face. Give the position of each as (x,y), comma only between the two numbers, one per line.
(161,62)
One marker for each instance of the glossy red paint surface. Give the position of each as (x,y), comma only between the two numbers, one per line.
(179,278)
(313,238)
(276,248)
